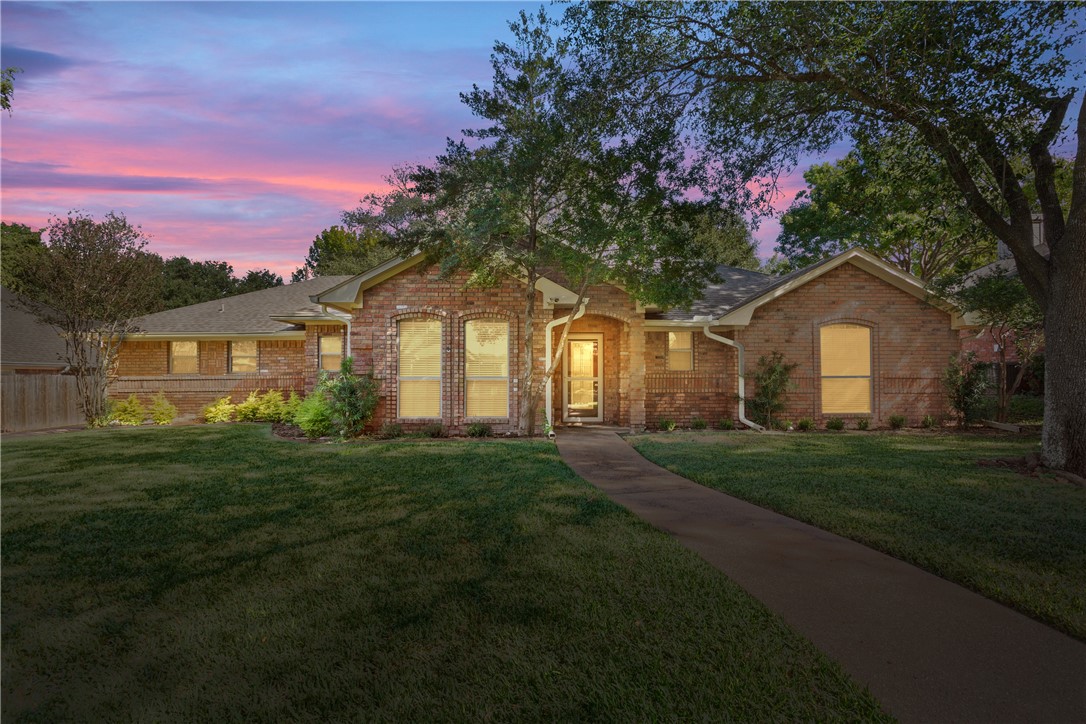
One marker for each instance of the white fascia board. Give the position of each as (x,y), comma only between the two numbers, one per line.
(554,294)
(212,336)
(347,295)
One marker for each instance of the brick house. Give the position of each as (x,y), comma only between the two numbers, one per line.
(868,340)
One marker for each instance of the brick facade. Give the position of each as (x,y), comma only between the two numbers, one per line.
(707,392)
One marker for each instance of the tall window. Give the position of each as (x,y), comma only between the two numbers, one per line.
(184,358)
(330,347)
(680,351)
(243,356)
(486,368)
(420,368)
(846,369)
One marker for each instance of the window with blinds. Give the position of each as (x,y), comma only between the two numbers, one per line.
(243,356)
(486,368)
(846,368)
(331,351)
(184,358)
(420,368)
(680,351)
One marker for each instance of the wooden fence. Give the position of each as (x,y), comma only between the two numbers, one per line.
(38,402)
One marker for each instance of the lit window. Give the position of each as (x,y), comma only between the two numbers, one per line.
(846,369)
(184,358)
(486,368)
(331,352)
(680,351)
(420,368)
(243,356)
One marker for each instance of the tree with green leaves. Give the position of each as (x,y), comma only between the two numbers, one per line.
(20,247)
(339,250)
(95,280)
(256,280)
(982,86)
(549,185)
(7,87)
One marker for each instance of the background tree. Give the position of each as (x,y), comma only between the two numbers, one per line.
(756,84)
(186,281)
(257,279)
(20,247)
(96,279)
(339,250)
(7,87)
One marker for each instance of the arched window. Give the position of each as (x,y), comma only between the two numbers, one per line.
(846,369)
(419,368)
(486,368)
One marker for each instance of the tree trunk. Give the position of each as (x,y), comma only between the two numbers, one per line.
(1002,398)
(527,378)
(1063,445)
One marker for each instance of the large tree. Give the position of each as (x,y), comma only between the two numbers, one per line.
(20,247)
(188,281)
(339,250)
(756,84)
(94,279)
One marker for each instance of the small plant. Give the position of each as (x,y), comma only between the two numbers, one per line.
(806,424)
(928,422)
(772,380)
(314,415)
(249,409)
(390,430)
(835,423)
(863,423)
(725,424)
(271,407)
(163,411)
(221,410)
(435,430)
(897,422)
(698,424)
(782,425)
(290,407)
(129,412)
(965,382)
(352,399)
(667,425)
(479,429)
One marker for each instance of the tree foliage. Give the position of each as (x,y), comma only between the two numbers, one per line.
(7,87)
(339,250)
(97,279)
(20,248)
(186,281)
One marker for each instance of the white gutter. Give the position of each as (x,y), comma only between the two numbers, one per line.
(346,318)
(549,346)
(741,369)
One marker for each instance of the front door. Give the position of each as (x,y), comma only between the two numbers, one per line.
(583,379)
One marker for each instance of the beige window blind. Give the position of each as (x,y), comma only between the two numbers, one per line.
(420,368)
(243,356)
(846,368)
(184,358)
(486,368)
(680,351)
(331,351)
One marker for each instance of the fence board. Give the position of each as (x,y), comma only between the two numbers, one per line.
(38,402)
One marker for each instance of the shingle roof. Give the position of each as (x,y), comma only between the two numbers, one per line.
(250,313)
(24,340)
(736,286)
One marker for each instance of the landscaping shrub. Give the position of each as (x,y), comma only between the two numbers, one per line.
(352,399)
(390,430)
(698,424)
(725,424)
(221,410)
(314,415)
(863,423)
(805,425)
(163,411)
(782,425)
(667,425)
(249,409)
(290,407)
(435,429)
(129,412)
(479,429)
(772,380)
(897,422)
(965,382)
(271,407)
(835,423)
(928,422)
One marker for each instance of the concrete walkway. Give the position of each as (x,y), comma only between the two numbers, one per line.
(928,649)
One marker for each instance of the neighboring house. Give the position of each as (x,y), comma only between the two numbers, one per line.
(27,347)
(868,340)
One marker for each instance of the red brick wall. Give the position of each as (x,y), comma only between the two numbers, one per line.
(911,343)
(708,392)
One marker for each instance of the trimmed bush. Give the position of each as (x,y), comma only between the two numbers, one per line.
(805,425)
(249,409)
(772,381)
(163,411)
(725,424)
(352,399)
(863,423)
(897,422)
(435,429)
(390,430)
(965,381)
(221,410)
(129,412)
(667,425)
(290,407)
(835,423)
(314,415)
(698,424)
(271,407)
(928,422)
(479,429)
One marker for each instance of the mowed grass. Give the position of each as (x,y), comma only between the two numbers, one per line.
(218,574)
(920,497)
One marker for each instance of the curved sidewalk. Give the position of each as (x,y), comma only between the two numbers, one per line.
(928,649)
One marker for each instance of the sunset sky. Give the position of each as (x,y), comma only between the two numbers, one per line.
(236,131)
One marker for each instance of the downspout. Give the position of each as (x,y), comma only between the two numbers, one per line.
(740,374)
(547,364)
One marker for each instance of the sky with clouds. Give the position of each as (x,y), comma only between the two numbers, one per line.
(236,131)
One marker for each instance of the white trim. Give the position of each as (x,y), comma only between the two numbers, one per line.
(211,337)
(583,337)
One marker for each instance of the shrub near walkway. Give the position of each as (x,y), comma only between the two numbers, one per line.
(918,496)
(214,573)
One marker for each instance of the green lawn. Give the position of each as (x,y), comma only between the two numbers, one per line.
(218,574)
(918,496)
